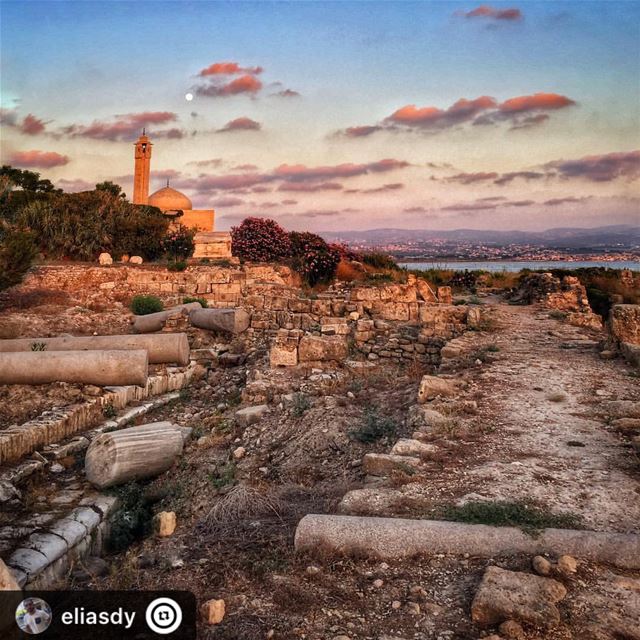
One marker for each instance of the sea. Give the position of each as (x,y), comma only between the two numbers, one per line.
(513,265)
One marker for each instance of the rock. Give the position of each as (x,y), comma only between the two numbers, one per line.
(621,409)
(624,323)
(136,260)
(213,611)
(378,583)
(512,630)
(383,464)
(165,523)
(407,447)
(251,415)
(413,608)
(105,259)
(239,453)
(425,291)
(541,566)
(432,386)
(8,492)
(567,565)
(283,355)
(510,595)
(626,425)
(396,604)
(7,579)
(444,295)
(89,569)
(322,348)
(423,419)
(312,570)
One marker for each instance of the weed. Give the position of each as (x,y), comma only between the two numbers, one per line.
(178,265)
(38,346)
(189,299)
(133,518)
(374,427)
(143,305)
(524,515)
(301,404)
(223,476)
(109,411)
(558,315)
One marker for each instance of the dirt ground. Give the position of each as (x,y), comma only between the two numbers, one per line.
(540,433)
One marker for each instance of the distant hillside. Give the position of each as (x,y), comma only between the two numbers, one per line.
(561,237)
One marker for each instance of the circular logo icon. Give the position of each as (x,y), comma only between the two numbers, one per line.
(163,616)
(33,616)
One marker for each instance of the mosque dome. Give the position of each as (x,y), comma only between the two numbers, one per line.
(169,199)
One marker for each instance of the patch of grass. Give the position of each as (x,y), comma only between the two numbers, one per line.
(301,404)
(189,299)
(224,476)
(558,315)
(178,265)
(526,516)
(374,427)
(133,518)
(143,305)
(557,396)
(38,346)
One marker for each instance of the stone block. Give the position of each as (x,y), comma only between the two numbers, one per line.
(383,464)
(283,355)
(432,386)
(322,348)
(251,415)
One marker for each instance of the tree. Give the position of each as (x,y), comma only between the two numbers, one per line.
(260,240)
(17,252)
(111,187)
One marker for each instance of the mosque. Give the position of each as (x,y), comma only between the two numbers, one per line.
(209,243)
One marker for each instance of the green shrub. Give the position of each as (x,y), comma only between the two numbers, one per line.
(133,519)
(143,305)
(301,404)
(17,252)
(374,427)
(189,299)
(180,265)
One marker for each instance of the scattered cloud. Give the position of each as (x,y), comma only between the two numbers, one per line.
(415,210)
(302,173)
(243,85)
(227,203)
(520,111)
(73,186)
(310,187)
(554,202)
(125,127)
(471,178)
(241,124)
(229,69)
(286,93)
(214,162)
(485,11)
(30,125)
(394,186)
(289,202)
(38,159)
(506,178)
(600,168)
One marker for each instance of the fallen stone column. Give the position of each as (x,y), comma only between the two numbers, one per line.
(155,321)
(231,320)
(162,348)
(131,454)
(102,368)
(393,538)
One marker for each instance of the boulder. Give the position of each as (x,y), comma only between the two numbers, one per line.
(627,425)
(105,259)
(322,348)
(251,415)
(512,595)
(621,409)
(423,419)
(408,447)
(624,323)
(136,260)
(432,386)
(444,295)
(283,355)
(383,464)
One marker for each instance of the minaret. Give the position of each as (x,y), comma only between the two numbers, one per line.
(141,172)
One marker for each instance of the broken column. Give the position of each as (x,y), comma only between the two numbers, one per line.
(155,321)
(162,348)
(101,368)
(230,320)
(132,454)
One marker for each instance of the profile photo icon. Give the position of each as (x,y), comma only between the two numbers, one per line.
(33,615)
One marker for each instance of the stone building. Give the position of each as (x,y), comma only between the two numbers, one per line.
(209,243)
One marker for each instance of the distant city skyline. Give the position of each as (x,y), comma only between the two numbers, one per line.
(337,116)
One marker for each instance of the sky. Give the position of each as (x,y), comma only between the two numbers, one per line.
(336,115)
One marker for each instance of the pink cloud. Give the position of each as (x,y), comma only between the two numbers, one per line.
(600,168)
(124,127)
(229,68)
(73,186)
(310,187)
(484,11)
(301,173)
(32,125)
(246,84)
(241,124)
(38,159)
(470,178)
(536,102)
(227,203)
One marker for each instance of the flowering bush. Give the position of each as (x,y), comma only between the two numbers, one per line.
(260,240)
(313,258)
(178,243)
(346,252)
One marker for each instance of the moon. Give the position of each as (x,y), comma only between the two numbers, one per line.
(188,97)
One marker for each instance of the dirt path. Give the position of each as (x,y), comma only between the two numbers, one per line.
(543,397)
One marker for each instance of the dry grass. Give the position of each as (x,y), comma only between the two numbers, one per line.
(557,396)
